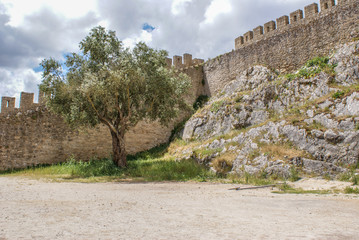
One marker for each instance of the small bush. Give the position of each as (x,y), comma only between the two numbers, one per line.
(314,67)
(351,190)
(294,175)
(291,76)
(318,61)
(338,94)
(92,168)
(216,106)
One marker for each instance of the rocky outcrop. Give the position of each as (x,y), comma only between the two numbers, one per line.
(263,122)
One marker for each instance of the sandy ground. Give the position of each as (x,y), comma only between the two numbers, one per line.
(31,209)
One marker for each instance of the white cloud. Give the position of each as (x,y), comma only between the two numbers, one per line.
(217,8)
(19,9)
(144,37)
(178,6)
(19,80)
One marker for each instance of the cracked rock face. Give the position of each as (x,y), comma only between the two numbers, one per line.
(272,124)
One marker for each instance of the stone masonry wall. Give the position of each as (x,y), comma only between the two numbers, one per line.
(31,135)
(285,45)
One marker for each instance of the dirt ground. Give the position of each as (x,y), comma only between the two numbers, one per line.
(31,209)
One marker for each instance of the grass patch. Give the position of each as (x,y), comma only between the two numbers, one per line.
(351,190)
(205,152)
(281,151)
(286,189)
(259,179)
(150,165)
(350,176)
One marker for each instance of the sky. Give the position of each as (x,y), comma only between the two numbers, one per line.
(32,30)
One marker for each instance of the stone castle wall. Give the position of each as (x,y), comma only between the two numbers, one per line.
(289,42)
(31,135)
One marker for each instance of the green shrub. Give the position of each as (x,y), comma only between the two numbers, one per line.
(338,94)
(351,190)
(294,175)
(314,67)
(217,105)
(321,62)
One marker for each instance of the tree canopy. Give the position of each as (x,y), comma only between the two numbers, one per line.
(108,84)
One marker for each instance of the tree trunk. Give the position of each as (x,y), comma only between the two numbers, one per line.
(119,148)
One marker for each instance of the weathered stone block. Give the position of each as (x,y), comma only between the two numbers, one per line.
(248,36)
(296,16)
(258,32)
(282,22)
(238,42)
(26,100)
(177,61)
(311,10)
(269,26)
(187,58)
(197,61)
(7,104)
(326,4)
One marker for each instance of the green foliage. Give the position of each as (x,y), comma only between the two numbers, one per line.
(205,152)
(92,168)
(200,101)
(291,76)
(285,188)
(259,179)
(351,190)
(217,105)
(350,176)
(312,68)
(106,80)
(321,62)
(294,175)
(338,94)
(166,170)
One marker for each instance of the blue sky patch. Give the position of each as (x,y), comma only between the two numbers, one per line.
(37,69)
(147,27)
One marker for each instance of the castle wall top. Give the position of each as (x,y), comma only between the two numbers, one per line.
(310,11)
(26,103)
(187,61)
(286,47)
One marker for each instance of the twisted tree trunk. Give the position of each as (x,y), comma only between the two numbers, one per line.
(119,148)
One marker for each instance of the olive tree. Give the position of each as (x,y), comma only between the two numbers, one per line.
(105,83)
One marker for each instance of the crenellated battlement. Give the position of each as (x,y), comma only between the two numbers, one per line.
(26,103)
(283,22)
(186,63)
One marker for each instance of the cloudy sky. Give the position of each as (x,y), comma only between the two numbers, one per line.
(31,30)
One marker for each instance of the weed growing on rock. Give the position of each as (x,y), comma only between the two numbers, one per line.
(338,94)
(217,105)
(312,68)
